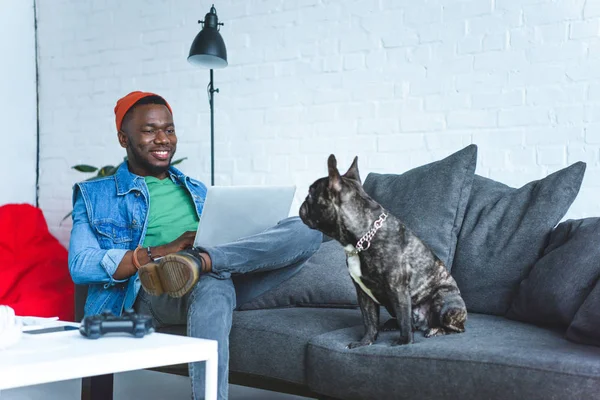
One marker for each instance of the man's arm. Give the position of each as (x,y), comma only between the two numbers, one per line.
(88,263)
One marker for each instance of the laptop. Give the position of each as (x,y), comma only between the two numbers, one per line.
(234,212)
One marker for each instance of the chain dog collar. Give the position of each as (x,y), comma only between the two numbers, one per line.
(365,242)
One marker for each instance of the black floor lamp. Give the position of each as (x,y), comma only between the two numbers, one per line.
(208,51)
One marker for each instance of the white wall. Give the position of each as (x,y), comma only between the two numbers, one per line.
(398,83)
(18,108)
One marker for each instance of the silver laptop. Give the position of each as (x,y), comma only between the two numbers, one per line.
(233,212)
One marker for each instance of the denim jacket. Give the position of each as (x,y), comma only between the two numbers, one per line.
(110,217)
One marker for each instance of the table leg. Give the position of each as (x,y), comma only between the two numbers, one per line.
(97,387)
(211,376)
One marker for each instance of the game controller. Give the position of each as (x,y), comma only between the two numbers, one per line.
(94,326)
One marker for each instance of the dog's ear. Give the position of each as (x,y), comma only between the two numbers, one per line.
(335,181)
(352,172)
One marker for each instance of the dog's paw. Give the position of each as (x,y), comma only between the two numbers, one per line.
(361,343)
(435,332)
(402,341)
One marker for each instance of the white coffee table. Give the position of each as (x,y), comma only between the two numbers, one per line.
(52,357)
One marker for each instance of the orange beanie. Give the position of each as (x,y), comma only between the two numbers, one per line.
(126,102)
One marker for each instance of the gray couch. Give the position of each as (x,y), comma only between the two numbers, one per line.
(531,285)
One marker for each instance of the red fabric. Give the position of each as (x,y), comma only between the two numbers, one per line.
(34,272)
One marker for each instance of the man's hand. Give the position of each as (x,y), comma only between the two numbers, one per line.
(186,240)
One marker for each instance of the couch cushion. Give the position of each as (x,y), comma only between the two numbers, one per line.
(562,279)
(495,358)
(430,200)
(323,281)
(272,343)
(505,231)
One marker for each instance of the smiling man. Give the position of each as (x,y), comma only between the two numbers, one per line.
(133,232)
(147,132)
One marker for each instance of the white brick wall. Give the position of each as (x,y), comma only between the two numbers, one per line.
(398,83)
(18,108)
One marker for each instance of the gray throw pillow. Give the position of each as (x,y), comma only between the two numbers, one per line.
(323,281)
(562,279)
(504,233)
(584,328)
(430,200)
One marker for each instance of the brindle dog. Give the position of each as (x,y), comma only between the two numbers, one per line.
(389,265)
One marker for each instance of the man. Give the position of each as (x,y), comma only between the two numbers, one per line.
(149,210)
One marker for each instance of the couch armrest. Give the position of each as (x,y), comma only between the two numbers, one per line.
(80,297)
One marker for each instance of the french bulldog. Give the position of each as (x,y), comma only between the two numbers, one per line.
(389,265)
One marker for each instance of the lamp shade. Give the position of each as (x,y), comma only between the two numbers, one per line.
(208,48)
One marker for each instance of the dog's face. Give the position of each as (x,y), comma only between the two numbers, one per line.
(323,205)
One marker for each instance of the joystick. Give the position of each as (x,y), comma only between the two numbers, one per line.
(94,326)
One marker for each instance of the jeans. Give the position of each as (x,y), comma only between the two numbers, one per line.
(241,271)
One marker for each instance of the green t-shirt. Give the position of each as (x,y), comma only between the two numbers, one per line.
(172,212)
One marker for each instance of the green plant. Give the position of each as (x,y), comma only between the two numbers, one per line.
(107,170)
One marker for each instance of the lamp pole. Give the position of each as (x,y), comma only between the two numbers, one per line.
(211,101)
(208,51)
